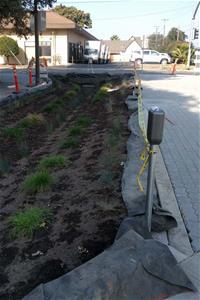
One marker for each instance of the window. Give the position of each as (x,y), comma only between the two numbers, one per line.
(45,48)
(146,52)
(91,51)
(154,53)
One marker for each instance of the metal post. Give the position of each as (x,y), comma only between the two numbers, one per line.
(150,182)
(37,57)
(154,135)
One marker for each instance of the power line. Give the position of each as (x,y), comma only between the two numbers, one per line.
(80,2)
(142,15)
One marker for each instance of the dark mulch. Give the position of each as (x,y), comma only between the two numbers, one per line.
(86,196)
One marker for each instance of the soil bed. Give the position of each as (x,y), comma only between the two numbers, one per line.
(85,195)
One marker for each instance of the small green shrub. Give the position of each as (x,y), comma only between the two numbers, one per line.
(31,120)
(76,130)
(71,142)
(70,94)
(100,95)
(13,132)
(53,161)
(53,106)
(5,166)
(76,88)
(83,121)
(39,181)
(24,224)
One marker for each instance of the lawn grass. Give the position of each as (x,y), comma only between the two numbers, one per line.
(39,181)
(24,224)
(53,161)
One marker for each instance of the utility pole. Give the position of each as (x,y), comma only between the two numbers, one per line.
(178,32)
(156,36)
(191,32)
(164,21)
(37,56)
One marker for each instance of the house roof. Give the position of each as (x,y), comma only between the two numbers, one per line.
(86,34)
(117,46)
(137,39)
(56,21)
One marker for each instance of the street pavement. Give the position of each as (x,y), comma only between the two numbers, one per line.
(178,96)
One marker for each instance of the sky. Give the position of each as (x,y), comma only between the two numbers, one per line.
(127,18)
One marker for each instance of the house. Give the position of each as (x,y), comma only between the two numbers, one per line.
(121,50)
(62,41)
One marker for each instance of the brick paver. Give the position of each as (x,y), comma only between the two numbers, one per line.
(178,96)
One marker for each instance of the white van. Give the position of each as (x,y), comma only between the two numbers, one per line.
(150,56)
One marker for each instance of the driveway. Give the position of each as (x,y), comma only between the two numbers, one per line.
(178,96)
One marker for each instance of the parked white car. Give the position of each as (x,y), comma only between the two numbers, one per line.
(150,56)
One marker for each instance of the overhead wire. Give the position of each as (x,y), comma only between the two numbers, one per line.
(141,15)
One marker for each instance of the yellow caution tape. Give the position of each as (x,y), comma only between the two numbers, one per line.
(146,153)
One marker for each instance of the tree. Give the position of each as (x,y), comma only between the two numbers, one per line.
(155,41)
(175,34)
(81,18)
(180,53)
(8,47)
(17,12)
(114,37)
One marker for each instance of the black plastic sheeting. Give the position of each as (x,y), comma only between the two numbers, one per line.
(132,269)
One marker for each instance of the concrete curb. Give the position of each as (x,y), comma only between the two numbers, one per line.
(177,237)
(27,92)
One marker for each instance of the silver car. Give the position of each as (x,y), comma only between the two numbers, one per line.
(150,56)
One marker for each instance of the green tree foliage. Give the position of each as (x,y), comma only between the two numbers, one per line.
(81,18)
(175,34)
(17,13)
(8,47)
(180,53)
(174,44)
(114,37)
(155,41)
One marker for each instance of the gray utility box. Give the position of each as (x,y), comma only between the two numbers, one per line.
(155,125)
